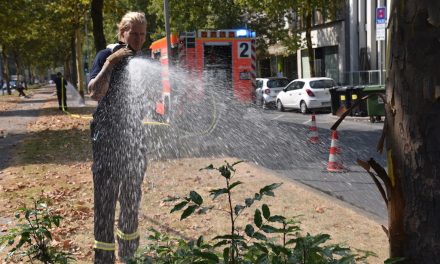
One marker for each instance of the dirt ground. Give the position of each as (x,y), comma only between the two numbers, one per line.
(55,160)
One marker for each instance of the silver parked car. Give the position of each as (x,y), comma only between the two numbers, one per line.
(268,89)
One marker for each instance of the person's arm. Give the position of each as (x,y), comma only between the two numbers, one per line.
(99,85)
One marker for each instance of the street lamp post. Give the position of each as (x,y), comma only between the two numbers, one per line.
(167,30)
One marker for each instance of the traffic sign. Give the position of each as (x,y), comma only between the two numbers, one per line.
(381,18)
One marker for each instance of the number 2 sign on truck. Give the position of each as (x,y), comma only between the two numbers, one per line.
(228,56)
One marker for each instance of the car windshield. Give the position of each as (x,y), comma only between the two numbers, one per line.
(321,84)
(277,83)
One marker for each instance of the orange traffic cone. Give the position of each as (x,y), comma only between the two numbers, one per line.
(334,164)
(313,133)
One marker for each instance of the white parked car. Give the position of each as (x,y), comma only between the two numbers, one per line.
(306,94)
(268,89)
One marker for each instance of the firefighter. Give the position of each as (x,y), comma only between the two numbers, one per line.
(119,160)
(61,85)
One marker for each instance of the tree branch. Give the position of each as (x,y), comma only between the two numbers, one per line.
(374,177)
(382,174)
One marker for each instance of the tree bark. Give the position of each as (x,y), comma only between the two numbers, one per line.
(413,131)
(98,28)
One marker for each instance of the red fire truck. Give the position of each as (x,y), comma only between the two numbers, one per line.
(228,55)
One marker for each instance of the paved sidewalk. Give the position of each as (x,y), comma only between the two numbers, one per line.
(13,122)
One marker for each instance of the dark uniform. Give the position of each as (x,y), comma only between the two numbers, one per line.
(61,84)
(119,164)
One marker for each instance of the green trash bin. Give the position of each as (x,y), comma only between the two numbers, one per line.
(375,104)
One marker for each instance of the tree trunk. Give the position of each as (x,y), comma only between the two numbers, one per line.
(309,13)
(98,28)
(6,69)
(71,60)
(413,131)
(79,70)
(17,65)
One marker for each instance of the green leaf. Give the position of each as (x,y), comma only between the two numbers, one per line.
(237,162)
(238,208)
(258,220)
(57,219)
(45,232)
(267,190)
(234,184)
(259,236)
(269,229)
(263,258)
(266,211)
(200,241)
(221,243)
(277,249)
(226,255)
(203,210)
(234,236)
(258,197)
(171,199)
(179,206)
(188,211)
(210,167)
(249,230)
(225,172)
(261,247)
(270,193)
(249,202)
(210,256)
(277,218)
(196,198)
(394,260)
(216,192)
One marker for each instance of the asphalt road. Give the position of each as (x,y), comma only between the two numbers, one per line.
(357,139)
(278,141)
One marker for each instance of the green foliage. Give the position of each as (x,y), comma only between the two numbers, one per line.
(394,260)
(31,237)
(164,249)
(268,239)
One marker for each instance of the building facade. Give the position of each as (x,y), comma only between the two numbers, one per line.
(346,48)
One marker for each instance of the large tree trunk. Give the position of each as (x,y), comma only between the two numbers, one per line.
(98,29)
(413,131)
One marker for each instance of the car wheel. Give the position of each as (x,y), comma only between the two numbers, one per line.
(280,106)
(303,108)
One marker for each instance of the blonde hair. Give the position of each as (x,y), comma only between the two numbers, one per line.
(128,19)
